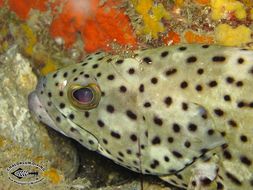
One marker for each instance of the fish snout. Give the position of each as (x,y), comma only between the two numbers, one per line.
(34,103)
(38,110)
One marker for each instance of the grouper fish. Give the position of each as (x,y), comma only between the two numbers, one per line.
(183,113)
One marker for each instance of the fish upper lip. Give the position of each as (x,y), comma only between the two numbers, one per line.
(31,99)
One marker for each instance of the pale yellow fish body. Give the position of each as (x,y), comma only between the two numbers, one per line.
(184,110)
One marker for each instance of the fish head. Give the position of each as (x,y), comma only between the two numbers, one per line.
(93,103)
(61,100)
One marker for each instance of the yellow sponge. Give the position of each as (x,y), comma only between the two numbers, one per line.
(228,36)
(222,9)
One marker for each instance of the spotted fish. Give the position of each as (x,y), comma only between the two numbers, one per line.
(184,113)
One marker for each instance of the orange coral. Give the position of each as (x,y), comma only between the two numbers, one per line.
(203,2)
(1,3)
(98,24)
(109,26)
(23,7)
(171,37)
(192,37)
(69,21)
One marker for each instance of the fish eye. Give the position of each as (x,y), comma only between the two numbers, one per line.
(84,97)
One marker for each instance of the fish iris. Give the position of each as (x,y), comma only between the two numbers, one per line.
(84,97)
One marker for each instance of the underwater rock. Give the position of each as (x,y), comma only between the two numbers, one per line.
(22,138)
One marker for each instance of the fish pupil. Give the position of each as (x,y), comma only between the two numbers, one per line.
(83,95)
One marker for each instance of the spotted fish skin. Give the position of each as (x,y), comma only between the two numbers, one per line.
(161,109)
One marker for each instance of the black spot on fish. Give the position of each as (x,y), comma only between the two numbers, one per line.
(164,54)
(176,128)
(192,127)
(205,181)
(183,48)
(183,84)
(158,121)
(170,71)
(58,119)
(245,160)
(210,132)
(199,88)
(91,142)
(219,186)
(212,83)
(65,74)
(86,114)
(168,101)
(131,115)
(61,93)
(115,135)
(100,123)
(147,104)
(122,89)
(95,66)
(239,84)
(166,159)
(177,154)
(184,106)
(218,59)
(240,104)
(133,137)
(230,80)
(243,138)
(219,112)
(170,139)
(109,60)
(187,144)
(131,71)
(110,77)
(205,46)
(105,141)
(120,61)
(156,140)
(200,71)
(154,164)
(227,98)
(191,59)
(233,179)
(240,60)
(54,75)
(110,108)
(62,105)
(71,116)
(154,80)
(227,154)
(141,88)
(147,60)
